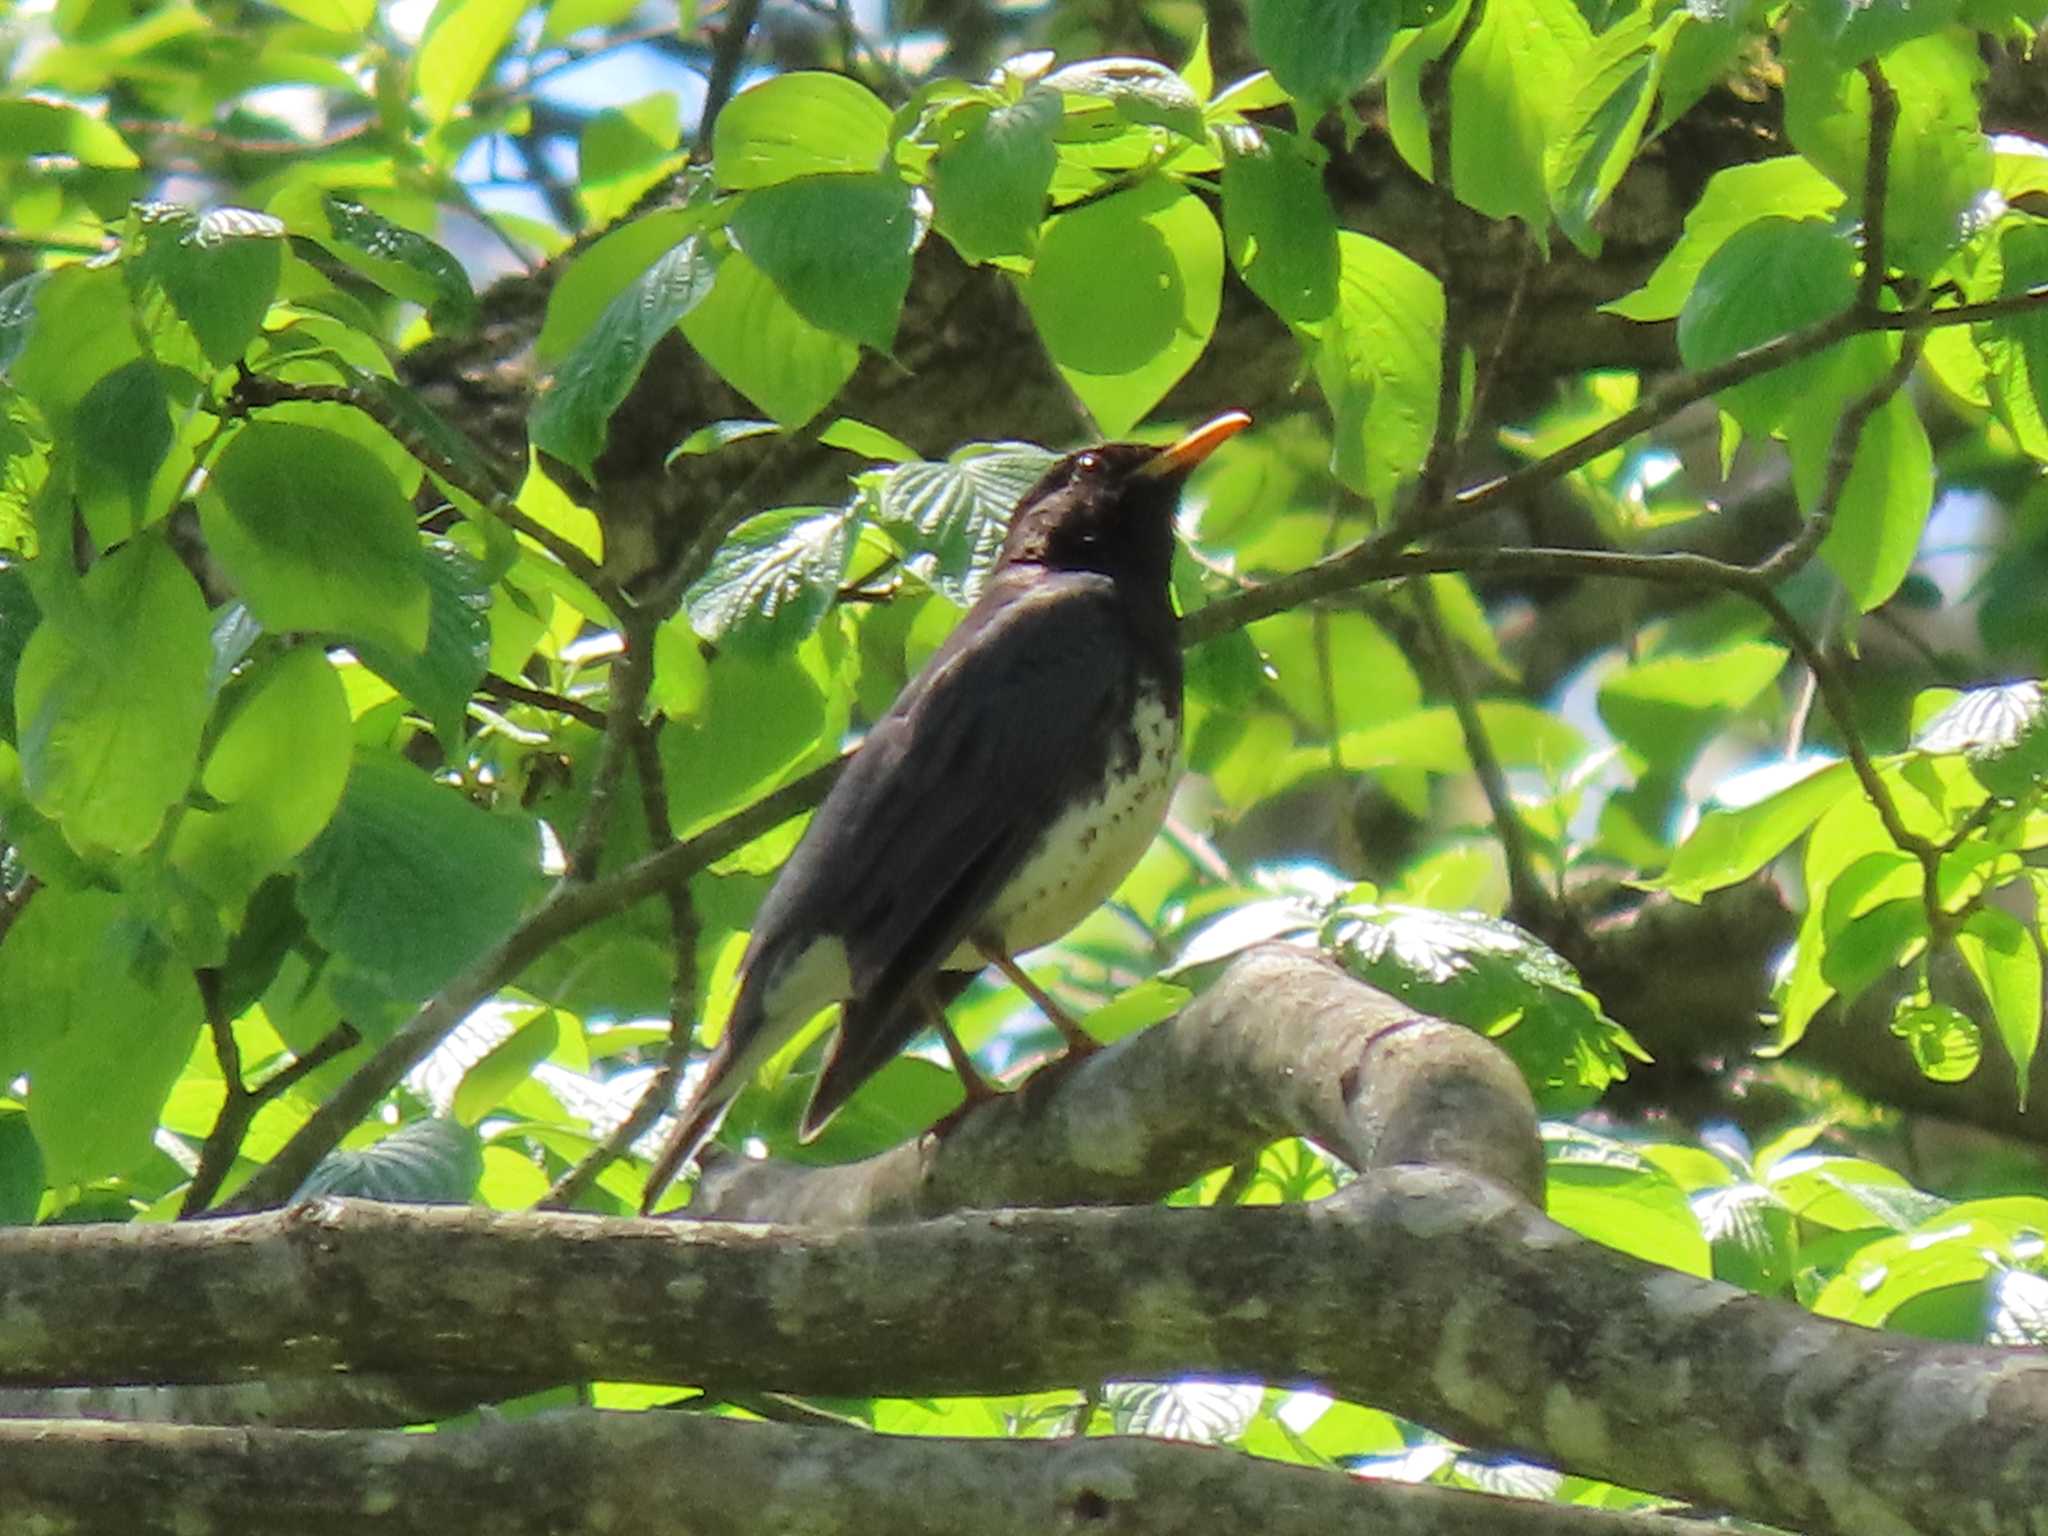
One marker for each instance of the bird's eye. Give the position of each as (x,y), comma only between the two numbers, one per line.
(1088,463)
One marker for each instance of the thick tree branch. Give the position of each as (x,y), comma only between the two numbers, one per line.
(597,1474)
(1284,1043)
(1473,1313)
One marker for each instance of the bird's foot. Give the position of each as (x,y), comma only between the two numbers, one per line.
(1079,1041)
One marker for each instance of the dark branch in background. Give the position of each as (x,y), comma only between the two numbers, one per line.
(507,691)
(1884,122)
(632,671)
(240,1104)
(728,54)
(683,928)
(655,1470)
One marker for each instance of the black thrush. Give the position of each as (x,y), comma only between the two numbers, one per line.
(1005,794)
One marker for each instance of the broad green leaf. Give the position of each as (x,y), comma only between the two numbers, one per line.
(1846,1194)
(1596,138)
(761,718)
(623,152)
(1125,293)
(66,344)
(122,431)
(1508,100)
(1871,944)
(109,703)
(1638,1211)
(1322,51)
(317,536)
(772,579)
(2016,347)
(1492,977)
(440,679)
(275,775)
(430,1162)
(1843,33)
(508,1064)
(410,882)
(1961,1246)
(1946,1043)
(2003,732)
(462,42)
(348,17)
(573,410)
(2006,960)
(1278,224)
(21,1170)
(1732,845)
(990,174)
(1940,162)
(1885,502)
(1666,707)
(32,129)
(219,269)
(1753,1236)
(401,261)
(1378,360)
(1787,187)
(18,616)
(804,123)
(838,248)
(601,272)
(101,1020)
(1770,277)
(954,515)
(763,348)
(1431,739)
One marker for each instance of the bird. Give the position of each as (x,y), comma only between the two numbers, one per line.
(1005,793)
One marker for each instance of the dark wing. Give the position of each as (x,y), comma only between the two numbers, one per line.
(947,796)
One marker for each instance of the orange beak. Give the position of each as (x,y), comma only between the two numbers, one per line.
(1178,458)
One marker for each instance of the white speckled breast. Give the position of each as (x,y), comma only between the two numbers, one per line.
(1084,855)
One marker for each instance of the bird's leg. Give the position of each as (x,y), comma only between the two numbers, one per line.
(1079,1041)
(972,1083)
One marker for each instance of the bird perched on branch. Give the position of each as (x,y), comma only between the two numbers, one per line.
(1005,794)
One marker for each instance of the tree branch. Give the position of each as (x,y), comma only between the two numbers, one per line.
(687,1474)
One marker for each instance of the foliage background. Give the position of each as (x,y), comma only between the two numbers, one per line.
(458,504)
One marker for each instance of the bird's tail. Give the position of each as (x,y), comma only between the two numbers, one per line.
(696,1119)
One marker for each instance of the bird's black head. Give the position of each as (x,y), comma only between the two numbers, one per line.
(1110,508)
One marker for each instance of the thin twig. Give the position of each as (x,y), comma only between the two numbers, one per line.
(505,689)
(632,672)
(1884,120)
(727,56)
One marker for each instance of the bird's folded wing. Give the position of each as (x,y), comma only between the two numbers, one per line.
(948,794)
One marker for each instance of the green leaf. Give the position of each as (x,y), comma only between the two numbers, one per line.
(463,40)
(763,348)
(346,17)
(31,129)
(410,882)
(317,536)
(838,248)
(441,678)
(1492,977)
(804,123)
(1638,1211)
(2002,954)
(573,412)
(1770,277)
(761,718)
(1885,502)
(274,776)
(1322,51)
(1667,706)
(1871,944)
(2003,732)
(122,431)
(623,152)
(598,275)
(2016,347)
(18,616)
(954,515)
(219,269)
(430,1162)
(1959,1246)
(110,702)
(1788,187)
(21,1170)
(400,261)
(990,174)
(101,1021)
(1596,138)
(1844,33)
(1732,845)
(1941,160)
(1142,91)
(1508,101)
(772,579)
(1753,1234)
(1125,294)
(1277,222)
(1378,361)
(508,1064)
